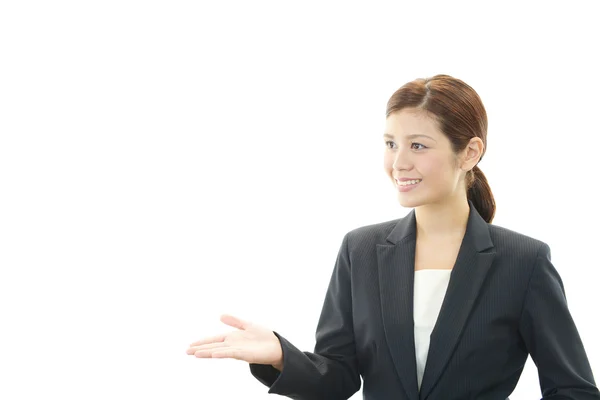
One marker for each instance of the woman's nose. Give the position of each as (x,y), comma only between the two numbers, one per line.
(402,161)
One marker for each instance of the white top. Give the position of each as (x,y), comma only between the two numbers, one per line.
(429,291)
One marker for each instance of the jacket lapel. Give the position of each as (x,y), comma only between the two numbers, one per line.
(396,264)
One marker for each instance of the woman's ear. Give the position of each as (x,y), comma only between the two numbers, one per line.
(472,154)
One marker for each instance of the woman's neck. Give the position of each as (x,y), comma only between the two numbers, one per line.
(442,221)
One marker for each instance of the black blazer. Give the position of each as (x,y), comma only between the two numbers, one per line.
(505,300)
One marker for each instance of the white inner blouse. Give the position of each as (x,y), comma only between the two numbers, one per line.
(429,291)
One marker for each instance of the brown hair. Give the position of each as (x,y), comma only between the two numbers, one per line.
(461,116)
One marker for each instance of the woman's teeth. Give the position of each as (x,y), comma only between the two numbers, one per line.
(406,183)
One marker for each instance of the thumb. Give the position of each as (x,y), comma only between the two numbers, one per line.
(235,322)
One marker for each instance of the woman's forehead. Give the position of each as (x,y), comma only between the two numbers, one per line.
(410,124)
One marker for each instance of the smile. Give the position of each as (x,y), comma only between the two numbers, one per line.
(408,183)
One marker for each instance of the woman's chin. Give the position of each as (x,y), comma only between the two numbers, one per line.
(407,202)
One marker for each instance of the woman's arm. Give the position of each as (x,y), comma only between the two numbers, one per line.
(330,372)
(551,336)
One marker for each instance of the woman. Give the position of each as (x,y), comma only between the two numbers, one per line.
(440,304)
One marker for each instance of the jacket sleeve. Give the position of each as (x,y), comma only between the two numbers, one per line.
(330,372)
(551,336)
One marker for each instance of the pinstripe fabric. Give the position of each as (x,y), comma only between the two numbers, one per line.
(505,300)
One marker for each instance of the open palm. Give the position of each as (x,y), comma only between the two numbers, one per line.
(251,343)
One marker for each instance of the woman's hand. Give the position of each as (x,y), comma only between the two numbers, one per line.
(251,343)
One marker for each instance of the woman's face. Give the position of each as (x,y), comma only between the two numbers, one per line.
(415,148)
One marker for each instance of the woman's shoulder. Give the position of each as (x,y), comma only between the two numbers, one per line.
(514,245)
(515,242)
(373,233)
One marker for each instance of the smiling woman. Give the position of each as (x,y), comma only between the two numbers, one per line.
(439,304)
(448,118)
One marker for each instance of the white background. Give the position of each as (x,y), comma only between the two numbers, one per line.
(159,160)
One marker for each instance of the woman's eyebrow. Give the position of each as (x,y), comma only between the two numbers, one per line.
(387,135)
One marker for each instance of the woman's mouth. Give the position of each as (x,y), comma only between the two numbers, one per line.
(405,186)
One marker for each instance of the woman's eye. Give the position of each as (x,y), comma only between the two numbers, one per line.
(412,144)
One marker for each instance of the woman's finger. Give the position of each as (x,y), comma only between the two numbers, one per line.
(230,352)
(219,353)
(209,346)
(234,321)
(212,339)
(203,353)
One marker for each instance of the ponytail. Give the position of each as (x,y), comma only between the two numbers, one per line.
(480,194)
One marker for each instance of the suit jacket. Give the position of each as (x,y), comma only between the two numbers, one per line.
(504,300)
